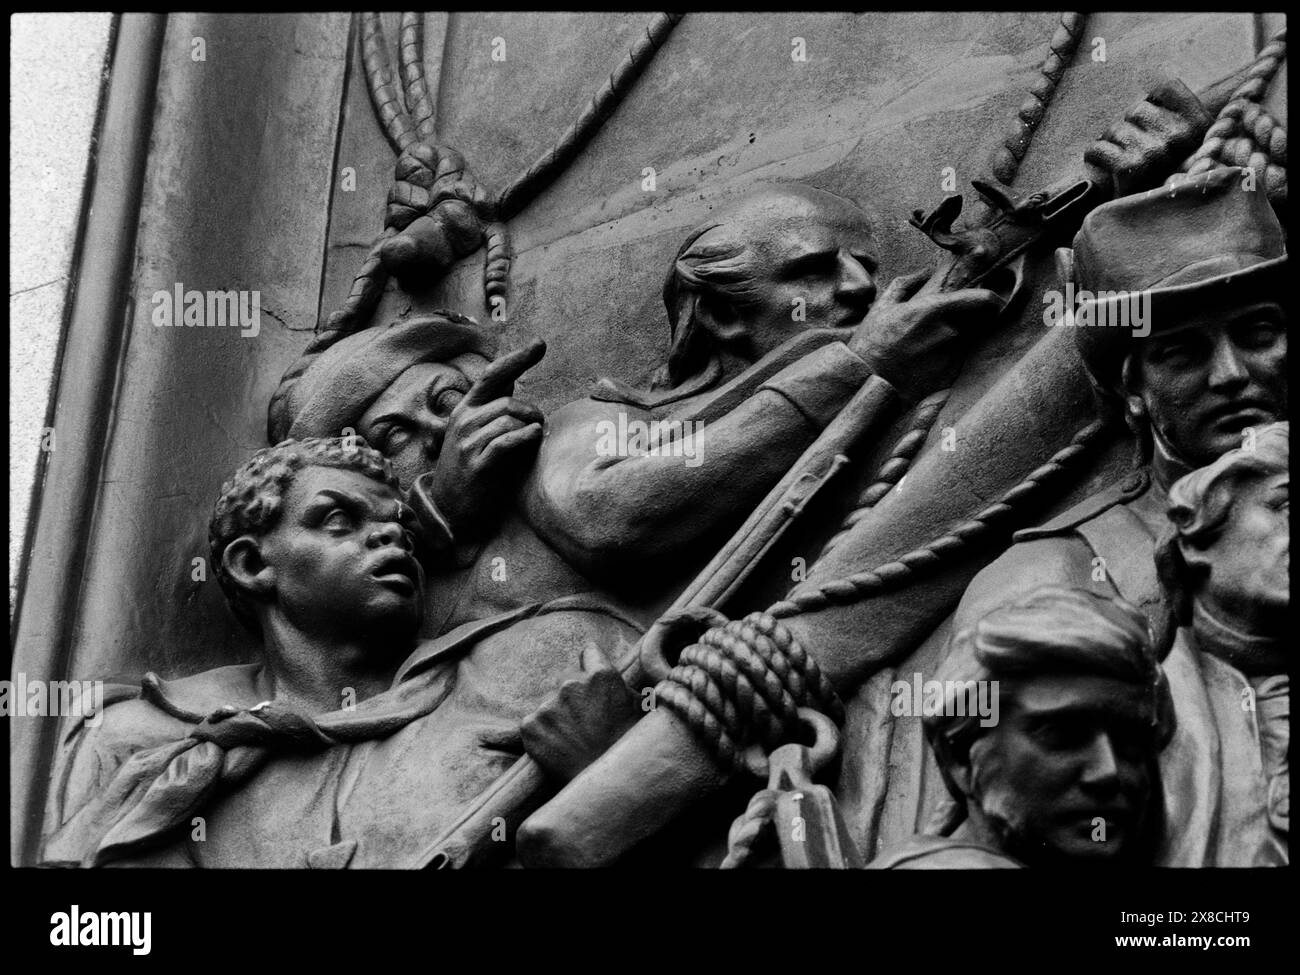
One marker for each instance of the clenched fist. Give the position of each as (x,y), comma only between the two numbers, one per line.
(584,717)
(917,343)
(1153,138)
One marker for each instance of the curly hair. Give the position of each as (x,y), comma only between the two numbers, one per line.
(1200,504)
(252,501)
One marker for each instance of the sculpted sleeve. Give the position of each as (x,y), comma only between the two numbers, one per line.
(601,491)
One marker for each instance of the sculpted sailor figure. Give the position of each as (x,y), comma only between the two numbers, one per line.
(1069,771)
(1061,770)
(345,746)
(511,603)
(313,547)
(1208,256)
(775,324)
(1204,262)
(580,514)
(1225,563)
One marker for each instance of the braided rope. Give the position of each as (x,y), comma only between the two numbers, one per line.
(367,289)
(384,94)
(407,116)
(929,557)
(743,683)
(893,468)
(821,690)
(540,174)
(779,706)
(411,49)
(496,263)
(1244,134)
(1005,160)
(750,827)
(680,698)
(737,680)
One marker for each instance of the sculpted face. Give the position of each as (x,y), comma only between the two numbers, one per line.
(341,555)
(1250,560)
(807,250)
(1066,752)
(408,421)
(1201,386)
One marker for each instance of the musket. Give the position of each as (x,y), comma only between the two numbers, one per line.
(977,254)
(990,253)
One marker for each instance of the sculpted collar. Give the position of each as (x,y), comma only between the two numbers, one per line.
(1166,464)
(1229,644)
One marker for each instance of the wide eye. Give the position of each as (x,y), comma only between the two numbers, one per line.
(338,521)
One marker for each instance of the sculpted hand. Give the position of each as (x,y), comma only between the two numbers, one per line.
(491,440)
(583,718)
(1154,136)
(917,343)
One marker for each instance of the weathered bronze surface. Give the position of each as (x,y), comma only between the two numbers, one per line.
(941,549)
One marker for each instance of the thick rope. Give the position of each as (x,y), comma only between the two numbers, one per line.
(752,827)
(942,550)
(894,467)
(407,115)
(367,289)
(1004,163)
(496,263)
(742,684)
(542,172)
(1244,134)
(411,49)
(384,94)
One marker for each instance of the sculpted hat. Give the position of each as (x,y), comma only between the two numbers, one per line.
(333,384)
(1203,241)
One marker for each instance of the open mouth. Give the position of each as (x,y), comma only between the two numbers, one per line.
(398,572)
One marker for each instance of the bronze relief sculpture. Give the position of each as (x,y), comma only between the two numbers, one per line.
(511,609)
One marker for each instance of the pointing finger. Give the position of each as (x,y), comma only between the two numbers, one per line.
(499,378)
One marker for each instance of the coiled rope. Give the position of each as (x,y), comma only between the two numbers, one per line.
(740,687)
(1245,134)
(407,116)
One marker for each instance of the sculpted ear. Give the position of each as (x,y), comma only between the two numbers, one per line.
(1197,560)
(718,317)
(243,562)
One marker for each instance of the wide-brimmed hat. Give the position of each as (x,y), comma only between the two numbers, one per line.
(1205,241)
(332,386)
